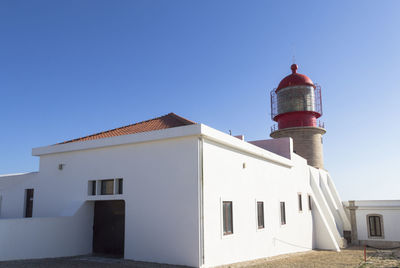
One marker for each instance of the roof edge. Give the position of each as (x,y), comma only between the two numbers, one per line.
(180,118)
(197,130)
(161,134)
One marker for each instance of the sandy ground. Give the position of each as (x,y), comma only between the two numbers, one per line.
(351,257)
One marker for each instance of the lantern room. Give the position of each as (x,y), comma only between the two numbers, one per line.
(296,102)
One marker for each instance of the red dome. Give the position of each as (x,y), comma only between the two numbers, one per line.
(295,79)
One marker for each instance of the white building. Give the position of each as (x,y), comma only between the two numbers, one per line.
(374,223)
(169,190)
(180,185)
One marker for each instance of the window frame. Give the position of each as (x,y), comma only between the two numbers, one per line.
(309,202)
(29,202)
(97,187)
(119,186)
(380,217)
(226,232)
(92,188)
(300,202)
(258,226)
(283,219)
(102,188)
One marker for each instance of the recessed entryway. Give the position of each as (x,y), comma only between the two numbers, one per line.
(109,228)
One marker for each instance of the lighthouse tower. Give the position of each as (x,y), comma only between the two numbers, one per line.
(295,106)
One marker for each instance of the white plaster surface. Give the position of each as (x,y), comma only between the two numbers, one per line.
(170,178)
(390,211)
(327,235)
(280,146)
(225,179)
(31,238)
(160,191)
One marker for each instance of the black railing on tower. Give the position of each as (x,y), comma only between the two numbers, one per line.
(316,107)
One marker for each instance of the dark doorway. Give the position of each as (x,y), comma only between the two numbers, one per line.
(109,228)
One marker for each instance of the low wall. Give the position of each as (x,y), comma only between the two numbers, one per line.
(30,238)
(381,244)
(279,146)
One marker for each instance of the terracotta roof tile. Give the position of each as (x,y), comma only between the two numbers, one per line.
(167,121)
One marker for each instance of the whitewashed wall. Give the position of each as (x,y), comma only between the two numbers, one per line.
(162,173)
(279,146)
(389,209)
(326,233)
(225,179)
(47,237)
(160,193)
(12,192)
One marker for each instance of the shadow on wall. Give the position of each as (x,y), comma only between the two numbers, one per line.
(30,238)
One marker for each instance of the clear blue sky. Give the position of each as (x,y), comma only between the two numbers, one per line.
(73,68)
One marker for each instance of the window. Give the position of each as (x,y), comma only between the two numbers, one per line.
(283,213)
(119,186)
(28,203)
(107,187)
(309,202)
(300,203)
(260,215)
(227,217)
(375,226)
(92,187)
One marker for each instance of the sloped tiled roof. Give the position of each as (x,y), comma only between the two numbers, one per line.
(167,121)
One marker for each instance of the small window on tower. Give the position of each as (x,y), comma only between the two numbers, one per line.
(309,202)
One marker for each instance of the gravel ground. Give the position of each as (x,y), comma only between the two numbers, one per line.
(351,257)
(83,261)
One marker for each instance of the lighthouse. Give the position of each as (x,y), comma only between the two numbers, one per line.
(295,106)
